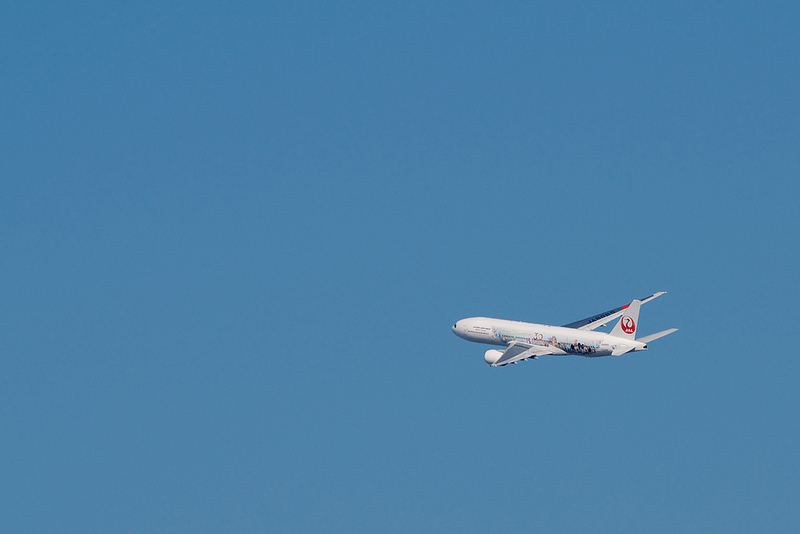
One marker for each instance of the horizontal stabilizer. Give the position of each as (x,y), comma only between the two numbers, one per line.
(652,337)
(622,350)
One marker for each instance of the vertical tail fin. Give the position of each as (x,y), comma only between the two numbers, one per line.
(629,322)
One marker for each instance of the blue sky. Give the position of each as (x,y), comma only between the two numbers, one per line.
(235,238)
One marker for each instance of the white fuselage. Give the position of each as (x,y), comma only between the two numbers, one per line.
(569,340)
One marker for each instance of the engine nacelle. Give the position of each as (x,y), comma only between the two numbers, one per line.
(492,356)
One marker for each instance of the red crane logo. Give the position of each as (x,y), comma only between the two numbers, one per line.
(628,325)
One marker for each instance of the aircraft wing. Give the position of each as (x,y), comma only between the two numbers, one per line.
(601,319)
(521,351)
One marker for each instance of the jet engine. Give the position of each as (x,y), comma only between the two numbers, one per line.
(492,356)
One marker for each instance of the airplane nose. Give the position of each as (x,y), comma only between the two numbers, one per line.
(458,329)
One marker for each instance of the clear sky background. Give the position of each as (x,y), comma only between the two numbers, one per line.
(235,237)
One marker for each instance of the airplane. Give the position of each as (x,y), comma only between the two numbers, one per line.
(531,340)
